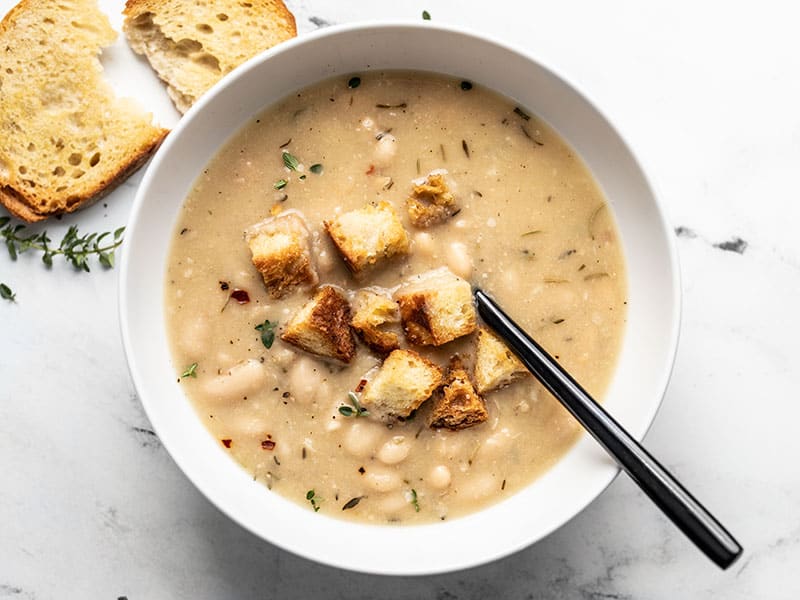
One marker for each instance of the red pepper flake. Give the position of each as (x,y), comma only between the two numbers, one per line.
(241,296)
(227,443)
(360,386)
(371,170)
(267,445)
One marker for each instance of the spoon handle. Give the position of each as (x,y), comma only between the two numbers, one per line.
(667,493)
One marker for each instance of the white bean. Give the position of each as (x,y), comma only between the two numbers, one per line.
(362,438)
(394,451)
(394,503)
(479,486)
(382,480)
(241,379)
(439,477)
(385,150)
(459,260)
(304,379)
(424,245)
(495,444)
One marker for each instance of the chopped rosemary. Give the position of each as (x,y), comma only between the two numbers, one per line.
(529,136)
(290,161)
(312,497)
(352,503)
(401,105)
(267,329)
(75,248)
(280,184)
(464,147)
(426,16)
(190,371)
(521,113)
(6,293)
(531,232)
(354,82)
(316,169)
(593,276)
(593,218)
(356,410)
(414,500)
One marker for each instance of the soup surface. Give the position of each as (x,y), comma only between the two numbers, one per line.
(529,225)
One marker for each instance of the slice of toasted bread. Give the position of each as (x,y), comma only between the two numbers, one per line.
(67,140)
(191,44)
(322,326)
(457,405)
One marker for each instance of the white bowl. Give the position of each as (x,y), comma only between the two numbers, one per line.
(648,349)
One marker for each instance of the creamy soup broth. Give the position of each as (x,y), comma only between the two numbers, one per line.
(533,230)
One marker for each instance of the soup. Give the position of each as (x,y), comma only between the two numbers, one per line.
(318,295)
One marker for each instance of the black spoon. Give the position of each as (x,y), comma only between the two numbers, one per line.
(669,495)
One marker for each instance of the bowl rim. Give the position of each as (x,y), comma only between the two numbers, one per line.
(671,256)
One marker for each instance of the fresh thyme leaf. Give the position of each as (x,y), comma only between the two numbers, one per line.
(313,499)
(76,249)
(6,293)
(267,329)
(280,184)
(316,169)
(354,82)
(191,371)
(414,500)
(290,161)
(426,16)
(356,411)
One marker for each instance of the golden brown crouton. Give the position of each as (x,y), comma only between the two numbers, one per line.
(403,382)
(322,326)
(495,365)
(431,202)
(281,252)
(368,235)
(436,307)
(457,405)
(374,310)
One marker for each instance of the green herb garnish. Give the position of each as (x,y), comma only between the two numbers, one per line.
(191,371)
(353,411)
(290,161)
(426,16)
(414,500)
(316,169)
(75,248)
(531,232)
(280,184)
(314,499)
(6,293)
(267,329)
(354,82)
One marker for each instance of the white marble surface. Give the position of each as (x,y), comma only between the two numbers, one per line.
(709,95)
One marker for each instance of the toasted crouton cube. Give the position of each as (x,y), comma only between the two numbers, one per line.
(403,382)
(495,365)
(457,406)
(431,202)
(368,235)
(322,326)
(436,307)
(372,311)
(281,252)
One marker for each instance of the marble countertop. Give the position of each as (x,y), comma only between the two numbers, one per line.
(708,95)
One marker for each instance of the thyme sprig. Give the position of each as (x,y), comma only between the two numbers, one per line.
(356,410)
(76,249)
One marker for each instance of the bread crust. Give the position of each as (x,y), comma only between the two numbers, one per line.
(35,197)
(322,327)
(457,405)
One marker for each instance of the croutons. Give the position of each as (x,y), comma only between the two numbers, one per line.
(431,202)
(457,406)
(495,365)
(403,382)
(368,235)
(322,326)
(373,310)
(281,252)
(436,307)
